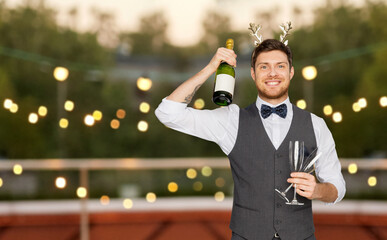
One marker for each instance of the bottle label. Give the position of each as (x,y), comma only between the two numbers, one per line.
(225,82)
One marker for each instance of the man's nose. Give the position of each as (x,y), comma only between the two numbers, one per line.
(272,72)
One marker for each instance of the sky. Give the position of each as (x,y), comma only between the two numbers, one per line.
(184,16)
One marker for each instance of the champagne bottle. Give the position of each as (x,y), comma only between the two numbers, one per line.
(224,81)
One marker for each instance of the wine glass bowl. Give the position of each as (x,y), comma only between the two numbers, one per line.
(298,163)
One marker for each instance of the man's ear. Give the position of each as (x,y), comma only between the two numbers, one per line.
(252,73)
(291,73)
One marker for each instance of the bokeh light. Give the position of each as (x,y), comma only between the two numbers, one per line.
(356,107)
(219,196)
(61,73)
(127,203)
(352,168)
(115,124)
(33,118)
(150,197)
(1,182)
(17,169)
(337,117)
(199,103)
(362,102)
(198,186)
(220,182)
(60,182)
(81,192)
(14,108)
(89,120)
(144,107)
(42,111)
(7,103)
(383,101)
(104,200)
(63,123)
(121,113)
(372,181)
(144,84)
(301,104)
(97,115)
(328,110)
(142,126)
(309,72)
(69,105)
(206,171)
(173,187)
(191,173)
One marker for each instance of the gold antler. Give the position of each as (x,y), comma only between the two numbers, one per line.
(285,29)
(255,29)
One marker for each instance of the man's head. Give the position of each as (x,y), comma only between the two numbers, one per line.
(271,69)
(270,45)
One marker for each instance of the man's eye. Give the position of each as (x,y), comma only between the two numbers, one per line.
(263,67)
(281,66)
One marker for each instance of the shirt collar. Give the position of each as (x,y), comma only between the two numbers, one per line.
(259,103)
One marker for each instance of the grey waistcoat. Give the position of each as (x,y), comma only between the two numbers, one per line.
(257,169)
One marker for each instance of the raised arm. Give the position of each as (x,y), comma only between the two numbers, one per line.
(185,92)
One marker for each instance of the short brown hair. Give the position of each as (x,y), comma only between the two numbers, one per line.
(271,45)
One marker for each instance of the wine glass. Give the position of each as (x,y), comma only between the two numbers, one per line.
(305,167)
(296,159)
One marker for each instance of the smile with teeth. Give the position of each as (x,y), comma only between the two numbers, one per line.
(272,83)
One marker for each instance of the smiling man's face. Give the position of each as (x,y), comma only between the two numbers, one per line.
(272,75)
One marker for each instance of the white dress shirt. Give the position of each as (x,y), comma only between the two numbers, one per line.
(221,126)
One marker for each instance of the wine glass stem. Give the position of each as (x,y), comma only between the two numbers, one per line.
(295,192)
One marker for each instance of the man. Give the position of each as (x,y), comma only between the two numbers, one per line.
(257,145)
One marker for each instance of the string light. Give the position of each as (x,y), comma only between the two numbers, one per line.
(372,181)
(219,196)
(383,101)
(191,173)
(128,203)
(17,169)
(206,171)
(199,103)
(115,124)
(352,168)
(150,197)
(81,192)
(42,111)
(356,107)
(104,200)
(61,73)
(362,102)
(33,118)
(7,103)
(144,84)
(309,72)
(220,182)
(198,186)
(144,107)
(328,110)
(173,187)
(301,104)
(142,126)
(97,115)
(60,182)
(14,108)
(63,123)
(337,117)
(120,113)
(89,120)
(69,105)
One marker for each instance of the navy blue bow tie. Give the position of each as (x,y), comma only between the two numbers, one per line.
(281,110)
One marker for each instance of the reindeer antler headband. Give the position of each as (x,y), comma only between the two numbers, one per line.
(285,27)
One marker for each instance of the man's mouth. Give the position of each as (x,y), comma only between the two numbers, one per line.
(273,83)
